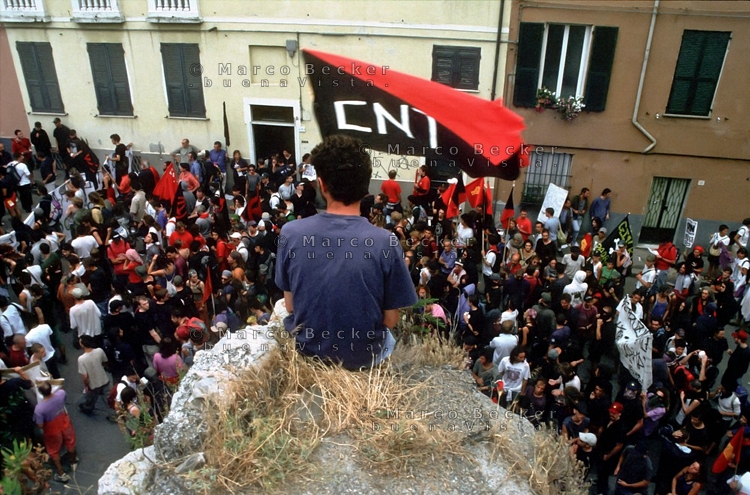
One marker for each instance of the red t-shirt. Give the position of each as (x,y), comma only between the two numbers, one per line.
(424,186)
(524,225)
(665,250)
(185,237)
(392,189)
(113,251)
(17,358)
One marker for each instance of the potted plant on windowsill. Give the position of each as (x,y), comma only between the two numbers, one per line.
(570,108)
(545,99)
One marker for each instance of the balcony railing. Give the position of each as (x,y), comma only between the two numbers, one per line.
(22,11)
(173,11)
(97,11)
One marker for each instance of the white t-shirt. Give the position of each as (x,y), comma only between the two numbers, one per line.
(744,234)
(503,344)
(23,173)
(84,245)
(41,334)
(464,234)
(11,322)
(490,258)
(513,374)
(737,266)
(86,317)
(648,275)
(572,266)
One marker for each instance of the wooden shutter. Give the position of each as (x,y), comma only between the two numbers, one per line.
(442,64)
(110,78)
(38,68)
(697,72)
(600,67)
(101,76)
(120,86)
(467,75)
(456,66)
(529,57)
(193,83)
(184,90)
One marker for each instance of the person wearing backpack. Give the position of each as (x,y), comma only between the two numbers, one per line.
(492,260)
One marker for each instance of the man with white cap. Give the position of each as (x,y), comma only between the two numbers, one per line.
(85,317)
(239,246)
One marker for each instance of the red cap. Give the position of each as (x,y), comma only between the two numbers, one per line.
(616,408)
(699,249)
(183,332)
(741,335)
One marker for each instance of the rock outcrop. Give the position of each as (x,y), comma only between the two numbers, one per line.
(449,398)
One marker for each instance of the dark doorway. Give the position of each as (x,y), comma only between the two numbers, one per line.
(664,209)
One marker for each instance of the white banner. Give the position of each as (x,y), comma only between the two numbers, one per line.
(555,198)
(691,228)
(634,341)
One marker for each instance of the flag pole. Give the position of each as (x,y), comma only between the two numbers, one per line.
(507,236)
(484,213)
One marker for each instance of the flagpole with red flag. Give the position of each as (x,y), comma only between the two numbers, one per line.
(509,211)
(208,289)
(731,453)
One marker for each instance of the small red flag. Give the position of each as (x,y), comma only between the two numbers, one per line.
(586,244)
(509,211)
(474,191)
(452,197)
(731,453)
(253,210)
(166,188)
(208,288)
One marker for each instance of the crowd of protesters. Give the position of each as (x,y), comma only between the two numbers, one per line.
(538,322)
(142,279)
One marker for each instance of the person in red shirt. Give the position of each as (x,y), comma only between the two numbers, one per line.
(392,189)
(523,223)
(116,254)
(17,352)
(666,255)
(181,234)
(187,177)
(22,145)
(421,186)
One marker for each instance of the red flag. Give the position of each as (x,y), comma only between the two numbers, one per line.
(586,244)
(253,210)
(452,197)
(487,201)
(509,211)
(413,113)
(208,288)
(166,188)
(731,453)
(474,191)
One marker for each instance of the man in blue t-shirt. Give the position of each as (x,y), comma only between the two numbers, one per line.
(344,279)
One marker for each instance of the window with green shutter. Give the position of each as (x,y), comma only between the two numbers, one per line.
(456,66)
(38,68)
(696,76)
(110,78)
(568,59)
(182,76)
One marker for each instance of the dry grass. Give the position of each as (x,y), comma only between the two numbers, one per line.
(549,468)
(284,407)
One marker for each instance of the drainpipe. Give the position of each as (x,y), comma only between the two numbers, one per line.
(643,77)
(498,42)
(493,94)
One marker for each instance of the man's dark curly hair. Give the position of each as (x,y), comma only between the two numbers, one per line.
(344,166)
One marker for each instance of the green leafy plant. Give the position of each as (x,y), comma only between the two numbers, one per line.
(24,471)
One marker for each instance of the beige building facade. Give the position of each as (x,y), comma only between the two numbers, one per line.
(155,71)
